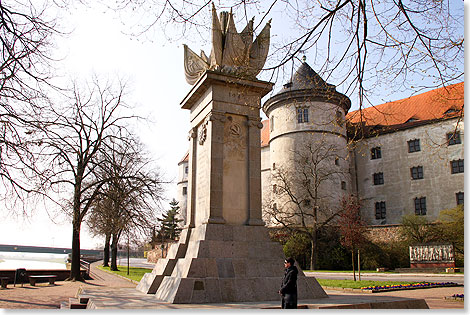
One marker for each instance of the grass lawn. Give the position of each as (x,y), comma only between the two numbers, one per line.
(338,283)
(134,273)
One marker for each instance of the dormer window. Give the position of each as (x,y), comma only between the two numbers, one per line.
(450,111)
(288,85)
(411,120)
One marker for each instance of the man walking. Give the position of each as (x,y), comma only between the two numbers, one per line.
(288,289)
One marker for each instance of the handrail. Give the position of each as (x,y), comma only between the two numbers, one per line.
(86,266)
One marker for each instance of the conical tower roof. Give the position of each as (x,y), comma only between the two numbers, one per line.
(307,85)
(305,78)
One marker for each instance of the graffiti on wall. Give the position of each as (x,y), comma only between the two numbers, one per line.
(432,253)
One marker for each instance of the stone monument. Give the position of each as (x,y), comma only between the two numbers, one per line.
(224,253)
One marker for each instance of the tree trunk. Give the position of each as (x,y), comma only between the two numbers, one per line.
(313,260)
(114,250)
(75,274)
(359,264)
(106,250)
(354,268)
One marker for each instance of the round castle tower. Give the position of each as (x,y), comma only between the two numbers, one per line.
(307,119)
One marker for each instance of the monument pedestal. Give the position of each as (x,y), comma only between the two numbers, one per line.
(226,263)
(224,253)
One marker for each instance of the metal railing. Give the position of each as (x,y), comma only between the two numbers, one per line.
(85,265)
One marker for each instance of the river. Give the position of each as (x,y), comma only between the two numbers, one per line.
(28,260)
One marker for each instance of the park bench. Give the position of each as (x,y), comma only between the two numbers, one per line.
(50,278)
(4,281)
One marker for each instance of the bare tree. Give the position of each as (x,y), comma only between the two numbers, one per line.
(130,197)
(302,195)
(71,138)
(26,37)
(364,46)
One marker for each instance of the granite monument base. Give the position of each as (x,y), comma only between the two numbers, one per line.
(218,263)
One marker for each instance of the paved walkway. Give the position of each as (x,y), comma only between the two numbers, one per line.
(43,296)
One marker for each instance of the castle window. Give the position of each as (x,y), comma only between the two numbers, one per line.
(459,198)
(453,138)
(271,123)
(339,118)
(413,146)
(375,153)
(275,188)
(336,161)
(378,178)
(456,166)
(274,166)
(302,114)
(185,191)
(186,169)
(380,210)
(274,206)
(416,172)
(420,206)
(343,185)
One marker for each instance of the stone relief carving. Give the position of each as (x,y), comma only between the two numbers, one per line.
(203,133)
(235,130)
(232,52)
(432,253)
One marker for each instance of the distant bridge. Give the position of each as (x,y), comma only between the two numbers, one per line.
(49,250)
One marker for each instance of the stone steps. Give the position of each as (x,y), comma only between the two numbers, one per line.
(74,303)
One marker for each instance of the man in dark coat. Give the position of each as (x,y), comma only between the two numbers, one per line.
(288,289)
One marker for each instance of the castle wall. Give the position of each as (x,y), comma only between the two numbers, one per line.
(399,190)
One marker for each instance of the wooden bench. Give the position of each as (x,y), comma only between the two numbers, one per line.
(33,279)
(4,281)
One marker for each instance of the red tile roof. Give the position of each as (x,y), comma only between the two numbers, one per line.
(185,158)
(265,133)
(441,103)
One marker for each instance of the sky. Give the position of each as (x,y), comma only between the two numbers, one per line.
(154,71)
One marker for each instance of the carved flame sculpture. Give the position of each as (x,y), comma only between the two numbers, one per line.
(232,52)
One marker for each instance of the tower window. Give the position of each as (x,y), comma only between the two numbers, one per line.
(417,172)
(336,160)
(275,188)
(380,210)
(375,153)
(459,198)
(185,191)
(456,166)
(420,206)
(378,178)
(339,118)
(302,114)
(343,185)
(453,138)
(271,123)
(414,146)
(186,169)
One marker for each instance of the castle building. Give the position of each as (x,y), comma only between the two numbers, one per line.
(398,158)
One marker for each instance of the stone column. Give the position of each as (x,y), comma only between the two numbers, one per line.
(254,171)
(191,205)
(217,120)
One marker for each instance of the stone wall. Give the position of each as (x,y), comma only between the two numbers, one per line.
(399,190)
(383,233)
